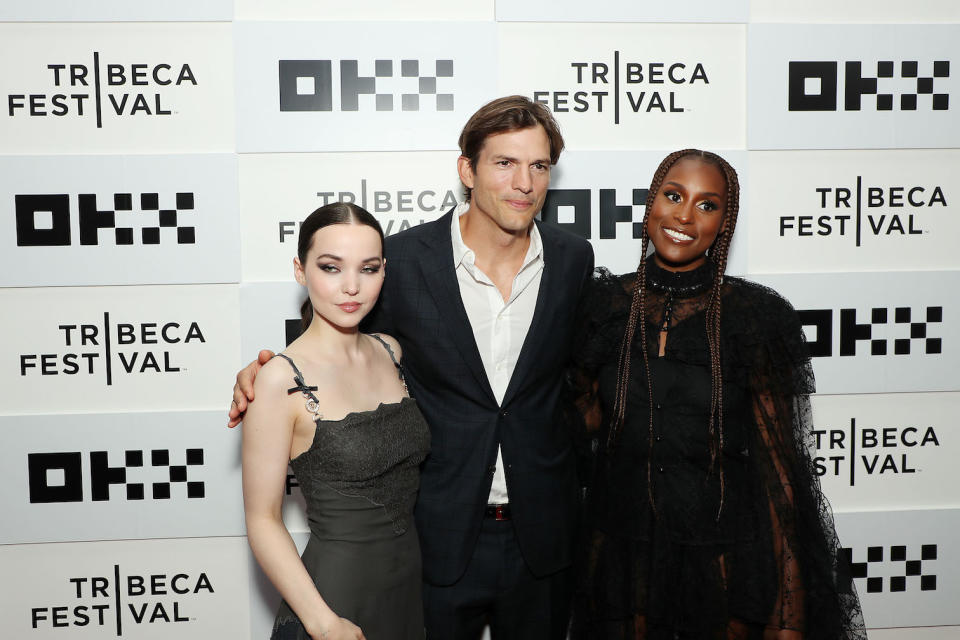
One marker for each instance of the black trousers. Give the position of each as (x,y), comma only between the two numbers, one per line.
(498,589)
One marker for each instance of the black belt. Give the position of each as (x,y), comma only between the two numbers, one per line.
(497,511)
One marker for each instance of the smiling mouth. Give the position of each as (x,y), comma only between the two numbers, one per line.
(677,235)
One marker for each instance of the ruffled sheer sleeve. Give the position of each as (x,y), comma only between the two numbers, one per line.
(815,595)
(601,317)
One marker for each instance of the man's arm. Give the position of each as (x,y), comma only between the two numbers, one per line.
(243,389)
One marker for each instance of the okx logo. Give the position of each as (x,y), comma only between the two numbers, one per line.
(572,209)
(907,85)
(292,329)
(45,220)
(911,327)
(60,476)
(393,85)
(906,568)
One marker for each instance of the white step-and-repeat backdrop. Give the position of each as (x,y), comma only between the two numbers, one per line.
(156,159)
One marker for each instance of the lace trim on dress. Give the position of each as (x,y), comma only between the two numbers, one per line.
(680,284)
(350,455)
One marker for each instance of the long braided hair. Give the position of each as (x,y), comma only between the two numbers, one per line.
(718,255)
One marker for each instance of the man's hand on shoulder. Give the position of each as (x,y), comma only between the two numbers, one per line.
(243,389)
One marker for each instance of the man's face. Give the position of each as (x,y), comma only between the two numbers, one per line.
(511,177)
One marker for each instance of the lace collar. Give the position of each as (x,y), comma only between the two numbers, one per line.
(680,284)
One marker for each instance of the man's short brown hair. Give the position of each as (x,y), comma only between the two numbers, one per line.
(510,113)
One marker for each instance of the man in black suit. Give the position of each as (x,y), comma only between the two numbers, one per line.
(482,302)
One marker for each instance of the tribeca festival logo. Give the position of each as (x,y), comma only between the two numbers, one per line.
(907,85)
(45,220)
(403,85)
(911,329)
(862,210)
(906,567)
(616,86)
(396,203)
(121,601)
(103,89)
(59,476)
(113,348)
(875,450)
(572,209)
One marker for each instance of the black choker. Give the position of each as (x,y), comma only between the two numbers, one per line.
(679,284)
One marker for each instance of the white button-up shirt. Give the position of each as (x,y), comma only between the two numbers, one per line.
(499,326)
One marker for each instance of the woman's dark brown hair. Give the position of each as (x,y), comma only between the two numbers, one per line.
(718,257)
(333,213)
(510,113)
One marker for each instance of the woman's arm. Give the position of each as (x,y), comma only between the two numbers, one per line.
(267,436)
(787,617)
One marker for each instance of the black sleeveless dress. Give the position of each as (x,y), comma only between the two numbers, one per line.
(689,533)
(360,478)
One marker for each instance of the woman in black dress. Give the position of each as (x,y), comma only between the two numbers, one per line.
(334,406)
(704,518)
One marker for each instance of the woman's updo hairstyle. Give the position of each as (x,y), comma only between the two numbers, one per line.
(333,213)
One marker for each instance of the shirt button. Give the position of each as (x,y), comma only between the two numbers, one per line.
(503,414)
(492,469)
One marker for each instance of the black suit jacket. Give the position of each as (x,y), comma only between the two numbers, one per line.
(421,307)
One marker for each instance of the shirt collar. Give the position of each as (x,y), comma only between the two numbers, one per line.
(464,254)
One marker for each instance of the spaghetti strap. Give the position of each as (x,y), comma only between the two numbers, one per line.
(396,363)
(393,357)
(385,346)
(312,404)
(292,364)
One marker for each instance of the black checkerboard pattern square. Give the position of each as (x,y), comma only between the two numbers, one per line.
(908,567)
(177,473)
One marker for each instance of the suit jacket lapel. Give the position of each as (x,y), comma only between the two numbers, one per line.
(535,336)
(436,263)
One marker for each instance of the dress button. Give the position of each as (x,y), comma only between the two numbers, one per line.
(658,407)
(660,469)
(657,438)
(492,469)
(503,414)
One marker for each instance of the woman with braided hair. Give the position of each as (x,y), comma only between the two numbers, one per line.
(704,516)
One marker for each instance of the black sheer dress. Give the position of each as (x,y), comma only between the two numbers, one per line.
(679,543)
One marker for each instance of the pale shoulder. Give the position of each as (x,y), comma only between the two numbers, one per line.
(392,343)
(271,411)
(274,377)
